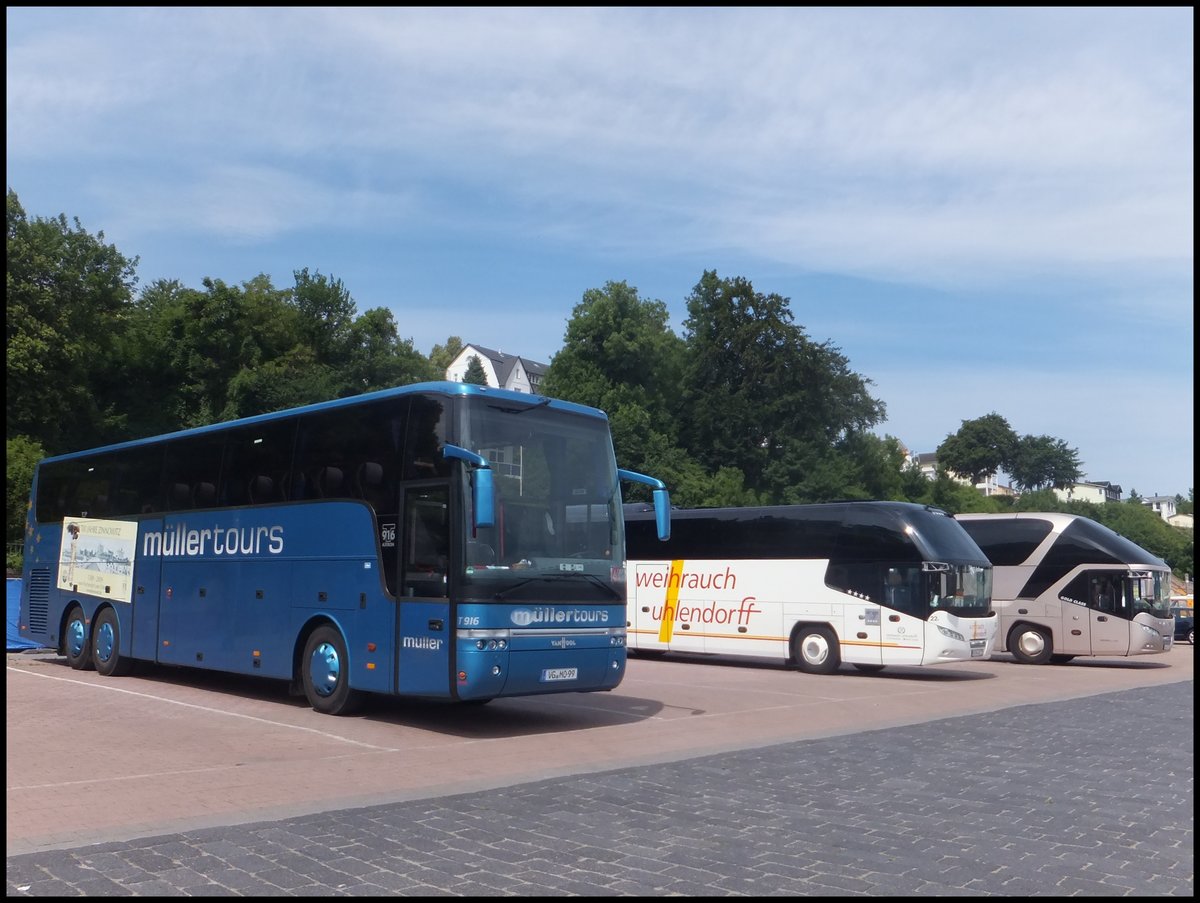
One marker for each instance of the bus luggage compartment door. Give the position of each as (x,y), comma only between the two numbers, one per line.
(423,648)
(862,633)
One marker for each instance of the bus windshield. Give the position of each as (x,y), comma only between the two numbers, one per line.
(1150,592)
(921,590)
(557,507)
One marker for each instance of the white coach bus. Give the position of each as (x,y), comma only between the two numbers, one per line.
(870,584)
(1066,586)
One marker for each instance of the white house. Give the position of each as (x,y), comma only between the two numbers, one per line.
(503,371)
(1096,493)
(926,462)
(1163,505)
(1183,521)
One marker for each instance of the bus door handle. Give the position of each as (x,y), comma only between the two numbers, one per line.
(893,617)
(435,623)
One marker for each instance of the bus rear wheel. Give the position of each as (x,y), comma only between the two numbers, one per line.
(106,645)
(1030,645)
(815,651)
(75,641)
(325,673)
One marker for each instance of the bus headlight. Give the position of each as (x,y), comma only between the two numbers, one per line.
(951,634)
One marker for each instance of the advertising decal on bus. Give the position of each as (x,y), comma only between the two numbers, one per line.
(96,558)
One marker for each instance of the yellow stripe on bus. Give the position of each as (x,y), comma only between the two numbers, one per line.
(667,626)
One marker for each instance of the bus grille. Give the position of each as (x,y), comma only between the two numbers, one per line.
(39,600)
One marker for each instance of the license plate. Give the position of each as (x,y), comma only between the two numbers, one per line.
(977,647)
(550,674)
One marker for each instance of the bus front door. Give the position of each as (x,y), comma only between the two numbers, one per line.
(1108,614)
(425,626)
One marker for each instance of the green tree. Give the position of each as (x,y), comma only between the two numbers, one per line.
(620,355)
(761,397)
(380,358)
(21,459)
(1041,462)
(442,356)
(67,290)
(326,315)
(475,374)
(979,449)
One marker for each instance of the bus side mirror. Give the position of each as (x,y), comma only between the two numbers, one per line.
(483,489)
(662,500)
(484,498)
(662,513)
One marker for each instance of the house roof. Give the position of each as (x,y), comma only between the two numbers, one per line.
(504,363)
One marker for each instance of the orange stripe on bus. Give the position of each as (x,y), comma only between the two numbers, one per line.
(667,625)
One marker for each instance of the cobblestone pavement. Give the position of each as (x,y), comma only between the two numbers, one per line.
(1084,797)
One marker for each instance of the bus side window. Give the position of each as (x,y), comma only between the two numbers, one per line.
(329,482)
(1102,595)
(261,490)
(204,494)
(426,541)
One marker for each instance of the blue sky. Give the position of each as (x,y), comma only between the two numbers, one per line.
(987,210)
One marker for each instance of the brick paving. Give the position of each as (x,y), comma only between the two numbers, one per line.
(1081,797)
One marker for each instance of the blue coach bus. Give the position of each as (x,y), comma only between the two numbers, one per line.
(439,540)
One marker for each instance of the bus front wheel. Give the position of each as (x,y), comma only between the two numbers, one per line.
(815,651)
(325,672)
(106,645)
(75,641)
(1030,645)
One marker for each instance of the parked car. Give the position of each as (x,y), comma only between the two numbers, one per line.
(1185,625)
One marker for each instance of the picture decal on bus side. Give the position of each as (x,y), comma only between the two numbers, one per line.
(180,541)
(96,557)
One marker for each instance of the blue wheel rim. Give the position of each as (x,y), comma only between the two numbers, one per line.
(326,669)
(76,637)
(105,642)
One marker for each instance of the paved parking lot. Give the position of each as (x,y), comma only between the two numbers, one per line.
(1082,796)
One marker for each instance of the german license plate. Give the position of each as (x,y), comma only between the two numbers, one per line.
(550,674)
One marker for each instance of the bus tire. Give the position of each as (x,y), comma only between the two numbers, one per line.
(325,673)
(106,645)
(76,642)
(868,668)
(1058,659)
(815,650)
(1030,645)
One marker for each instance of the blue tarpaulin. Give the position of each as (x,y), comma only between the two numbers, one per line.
(15,641)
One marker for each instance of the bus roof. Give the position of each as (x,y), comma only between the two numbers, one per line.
(1010,539)
(442,388)
(926,532)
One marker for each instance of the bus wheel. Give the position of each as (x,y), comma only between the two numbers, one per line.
(1030,645)
(75,641)
(815,651)
(325,670)
(869,669)
(106,645)
(1058,659)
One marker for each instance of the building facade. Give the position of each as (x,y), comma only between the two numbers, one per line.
(503,371)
